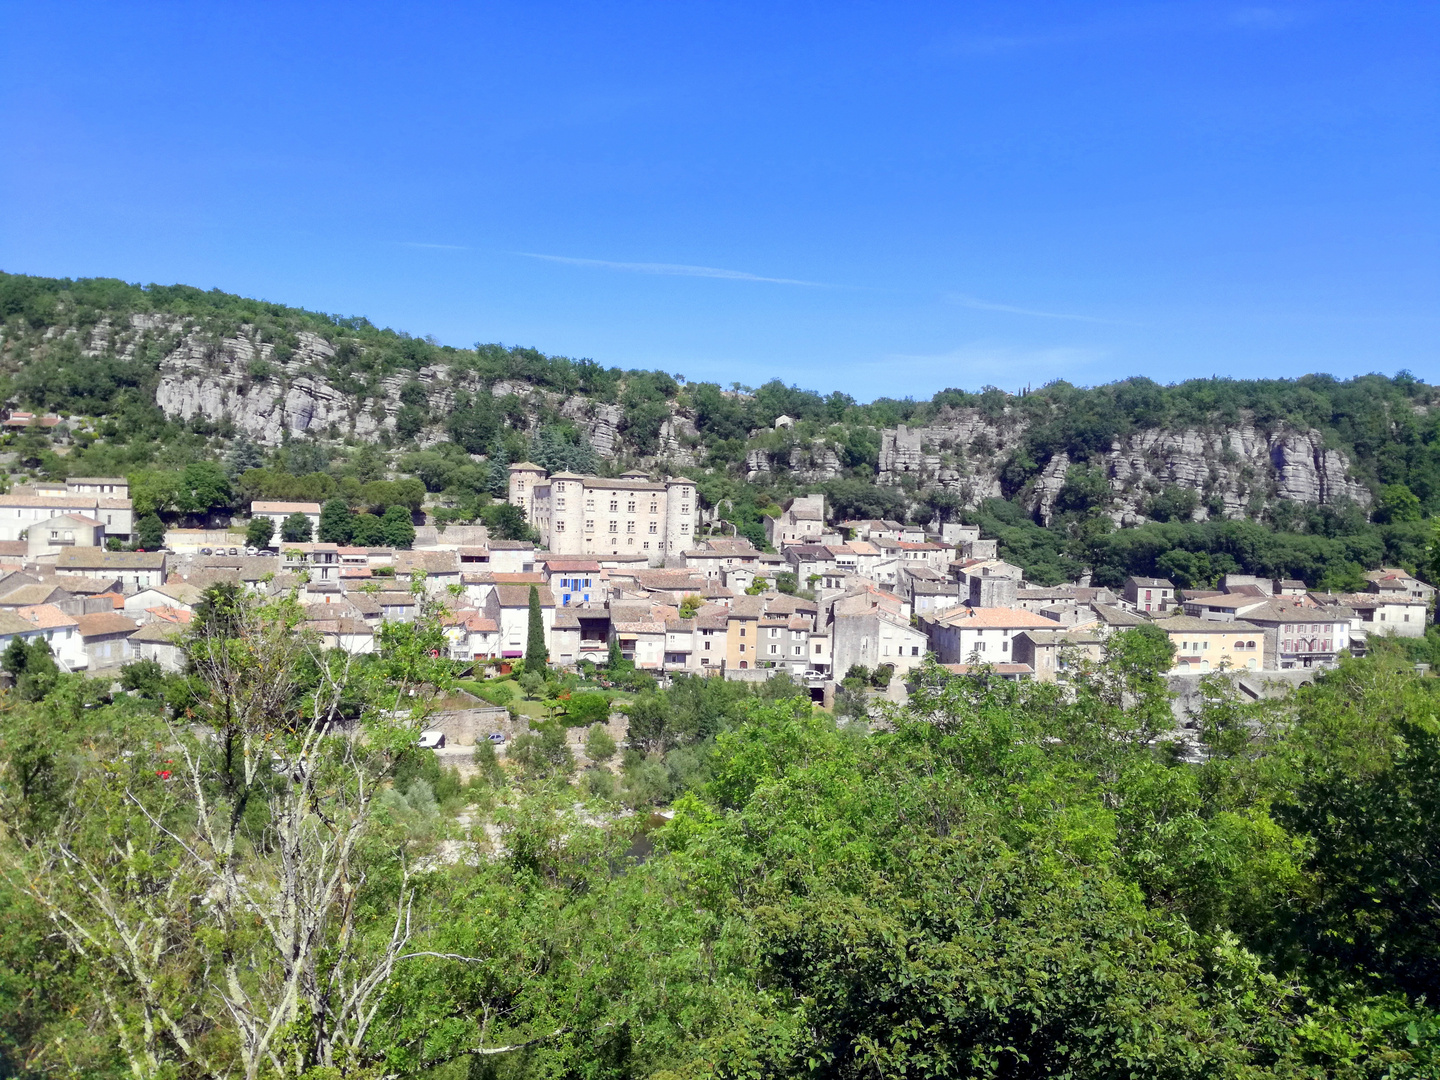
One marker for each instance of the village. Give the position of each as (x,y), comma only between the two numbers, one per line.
(620,564)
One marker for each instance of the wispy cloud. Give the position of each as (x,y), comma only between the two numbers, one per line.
(979,363)
(433,247)
(1010,309)
(673,270)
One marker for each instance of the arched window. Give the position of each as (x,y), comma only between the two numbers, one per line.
(1249,644)
(1239,645)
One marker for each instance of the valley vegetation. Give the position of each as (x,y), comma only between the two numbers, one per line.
(251,870)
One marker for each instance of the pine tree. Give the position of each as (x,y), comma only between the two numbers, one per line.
(536,654)
(398,529)
(296,529)
(259,532)
(244,455)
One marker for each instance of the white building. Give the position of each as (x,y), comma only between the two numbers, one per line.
(19,512)
(590,515)
(277,512)
(986,633)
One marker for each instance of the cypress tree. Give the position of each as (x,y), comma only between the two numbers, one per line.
(536,655)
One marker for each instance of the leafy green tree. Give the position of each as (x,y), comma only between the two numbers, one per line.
(586,709)
(1396,503)
(543,754)
(202,489)
(259,532)
(150,532)
(599,746)
(536,653)
(296,529)
(273,750)
(367,530)
(506,521)
(336,523)
(397,528)
(152,491)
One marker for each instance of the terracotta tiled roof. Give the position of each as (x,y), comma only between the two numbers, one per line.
(997,617)
(46,616)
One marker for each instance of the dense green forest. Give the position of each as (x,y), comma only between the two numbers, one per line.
(1388,426)
(998,880)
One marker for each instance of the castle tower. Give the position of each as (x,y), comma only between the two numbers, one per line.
(523,478)
(567,513)
(681,510)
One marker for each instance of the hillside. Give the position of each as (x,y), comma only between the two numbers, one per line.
(161,376)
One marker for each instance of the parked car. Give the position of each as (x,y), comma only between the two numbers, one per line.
(432,740)
(207,551)
(496,736)
(234,551)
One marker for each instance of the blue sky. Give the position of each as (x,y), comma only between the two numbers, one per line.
(881,198)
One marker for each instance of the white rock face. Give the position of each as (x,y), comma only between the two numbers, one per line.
(1235,468)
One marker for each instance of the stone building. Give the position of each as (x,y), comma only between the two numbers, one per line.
(592,515)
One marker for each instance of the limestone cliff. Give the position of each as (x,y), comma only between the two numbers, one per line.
(1233,469)
(267,395)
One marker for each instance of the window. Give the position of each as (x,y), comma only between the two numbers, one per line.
(1239,645)
(646,545)
(774,631)
(685,527)
(629,526)
(589,526)
(707,644)
(589,504)
(914,650)
(774,649)
(1249,644)
(742,631)
(654,508)
(654,528)
(817,650)
(630,507)
(614,526)
(614,505)
(560,503)
(685,508)
(559,526)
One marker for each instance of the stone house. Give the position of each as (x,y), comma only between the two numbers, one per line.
(1205,645)
(801,521)
(1048,653)
(107,639)
(509,607)
(135,569)
(1149,594)
(985,633)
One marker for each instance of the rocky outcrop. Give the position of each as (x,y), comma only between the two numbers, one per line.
(1233,469)
(810,463)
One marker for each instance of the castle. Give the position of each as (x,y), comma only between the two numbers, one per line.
(592,515)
